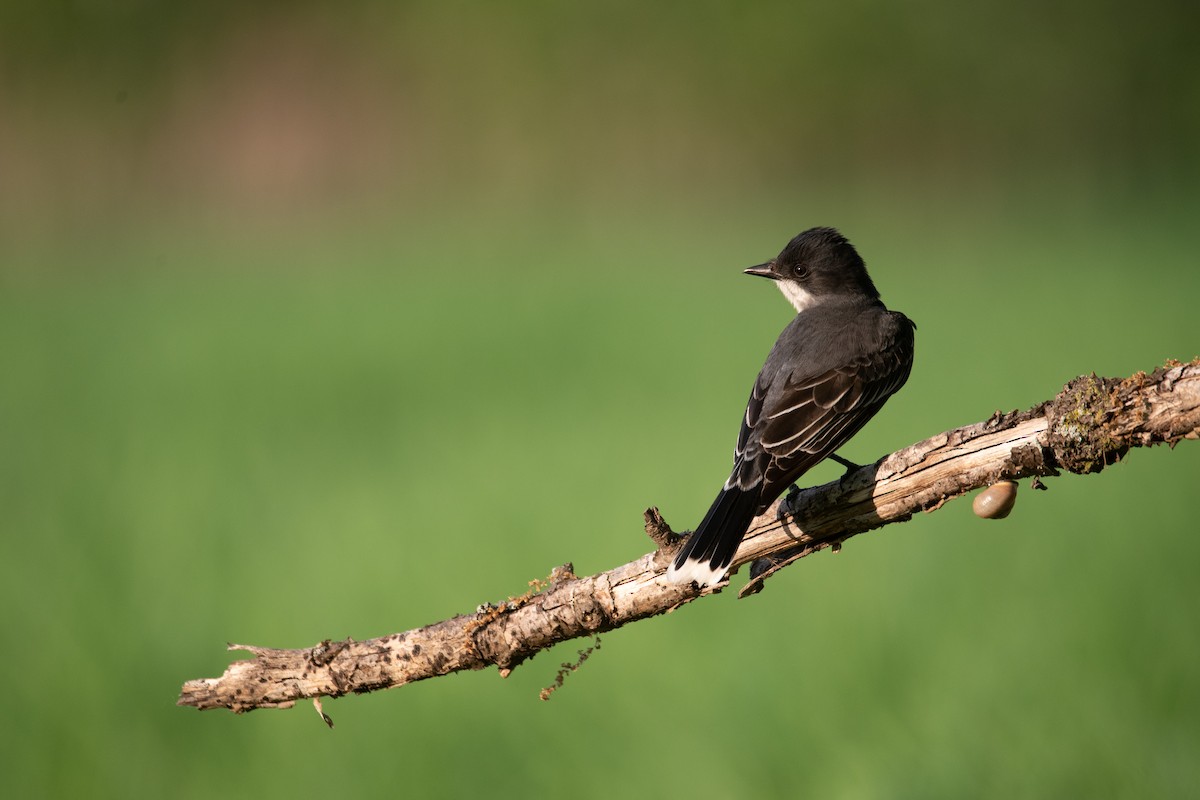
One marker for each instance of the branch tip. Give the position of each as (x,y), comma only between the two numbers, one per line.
(325,717)
(665,539)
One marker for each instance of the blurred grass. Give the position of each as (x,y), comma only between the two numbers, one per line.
(327,321)
(369,431)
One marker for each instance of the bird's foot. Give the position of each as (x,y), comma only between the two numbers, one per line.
(787,506)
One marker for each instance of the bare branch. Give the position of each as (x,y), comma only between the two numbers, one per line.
(1090,424)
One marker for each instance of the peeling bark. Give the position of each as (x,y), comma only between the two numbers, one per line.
(1089,425)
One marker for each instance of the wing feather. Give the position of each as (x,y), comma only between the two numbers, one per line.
(795,420)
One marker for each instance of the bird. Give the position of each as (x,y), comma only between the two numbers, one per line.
(831,370)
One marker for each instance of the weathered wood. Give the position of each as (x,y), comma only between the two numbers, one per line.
(1089,425)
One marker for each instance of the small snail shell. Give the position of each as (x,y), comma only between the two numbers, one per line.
(996,501)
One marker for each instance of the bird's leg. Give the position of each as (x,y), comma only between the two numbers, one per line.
(787,508)
(849,465)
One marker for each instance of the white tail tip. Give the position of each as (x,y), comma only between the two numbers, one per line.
(699,571)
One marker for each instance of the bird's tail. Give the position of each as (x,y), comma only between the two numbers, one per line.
(708,552)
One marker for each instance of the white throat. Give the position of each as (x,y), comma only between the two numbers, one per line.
(796,295)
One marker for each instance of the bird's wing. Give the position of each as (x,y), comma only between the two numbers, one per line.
(793,420)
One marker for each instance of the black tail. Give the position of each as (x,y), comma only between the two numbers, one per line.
(708,552)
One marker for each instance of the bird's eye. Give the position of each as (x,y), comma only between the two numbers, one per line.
(800,271)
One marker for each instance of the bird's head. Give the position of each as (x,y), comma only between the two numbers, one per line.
(818,265)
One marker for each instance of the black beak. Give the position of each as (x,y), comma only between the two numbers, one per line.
(766,270)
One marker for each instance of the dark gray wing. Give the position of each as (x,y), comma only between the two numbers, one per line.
(795,420)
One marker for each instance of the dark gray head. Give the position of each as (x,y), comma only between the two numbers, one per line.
(818,264)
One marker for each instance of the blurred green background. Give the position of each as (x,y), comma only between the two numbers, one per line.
(336,320)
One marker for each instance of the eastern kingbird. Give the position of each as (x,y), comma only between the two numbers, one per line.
(831,370)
